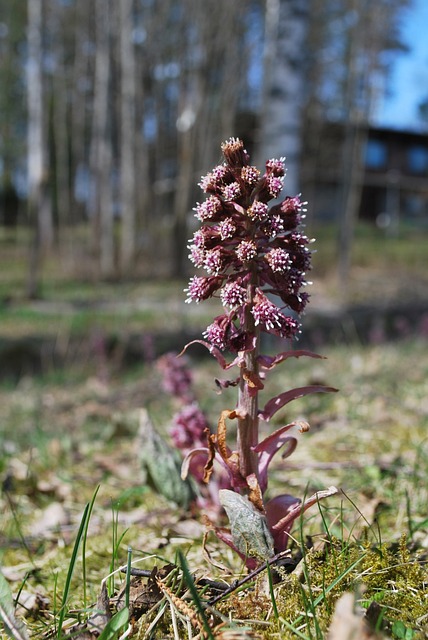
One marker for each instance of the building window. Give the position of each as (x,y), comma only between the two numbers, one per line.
(376,154)
(415,205)
(417,159)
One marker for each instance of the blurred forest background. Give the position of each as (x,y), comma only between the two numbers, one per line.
(111,111)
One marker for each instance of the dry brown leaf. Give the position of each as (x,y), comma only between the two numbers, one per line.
(52,518)
(255,495)
(95,624)
(346,624)
(31,603)
(208,469)
(221,432)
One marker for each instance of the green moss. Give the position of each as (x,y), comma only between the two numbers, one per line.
(390,576)
(398,581)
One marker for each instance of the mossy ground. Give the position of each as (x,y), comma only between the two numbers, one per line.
(62,439)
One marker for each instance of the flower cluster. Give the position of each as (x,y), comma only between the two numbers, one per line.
(251,253)
(256,257)
(189,426)
(176,377)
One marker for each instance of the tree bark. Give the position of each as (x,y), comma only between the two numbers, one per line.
(128,138)
(101,152)
(39,210)
(283,91)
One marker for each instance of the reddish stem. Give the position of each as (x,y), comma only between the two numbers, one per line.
(248,420)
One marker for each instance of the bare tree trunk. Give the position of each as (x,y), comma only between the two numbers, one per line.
(283,95)
(206,110)
(357,115)
(39,209)
(352,181)
(128,137)
(101,152)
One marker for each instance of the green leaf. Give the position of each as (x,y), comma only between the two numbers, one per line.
(13,627)
(400,630)
(249,529)
(163,464)
(115,625)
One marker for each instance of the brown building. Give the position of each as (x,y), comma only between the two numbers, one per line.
(391,176)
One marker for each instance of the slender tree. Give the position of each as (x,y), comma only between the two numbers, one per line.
(39,208)
(128,136)
(101,148)
(12,108)
(286,27)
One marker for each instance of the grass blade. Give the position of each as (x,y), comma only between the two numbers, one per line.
(331,586)
(85,536)
(298,633)
(271,591)
(115,625)
(190,583)
(13,627)
(128,577)
(71,567)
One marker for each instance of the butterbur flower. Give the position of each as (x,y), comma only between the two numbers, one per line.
(227,229)
(208,209)
(246,250)
(214,260)
(275,167)
(216,333)
(270,318)
(189,426)
(274,185)
(278,259)
(202,288)
(197,256)
(231,191)
(176,376)
(233,294)
(234,152)
(258,210)
(250,174)
(257,257)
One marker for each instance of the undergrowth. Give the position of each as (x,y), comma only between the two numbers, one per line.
(373,544)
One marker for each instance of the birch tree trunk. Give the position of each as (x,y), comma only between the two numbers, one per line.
(39,209)
(128,138)
(283,91)
(207,107)
(101,151)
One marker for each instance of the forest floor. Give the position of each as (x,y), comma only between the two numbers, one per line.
(70,438)
(64,437)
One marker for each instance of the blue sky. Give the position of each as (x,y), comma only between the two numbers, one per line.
(408,83)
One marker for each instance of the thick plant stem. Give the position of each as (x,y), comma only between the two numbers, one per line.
(248,420)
